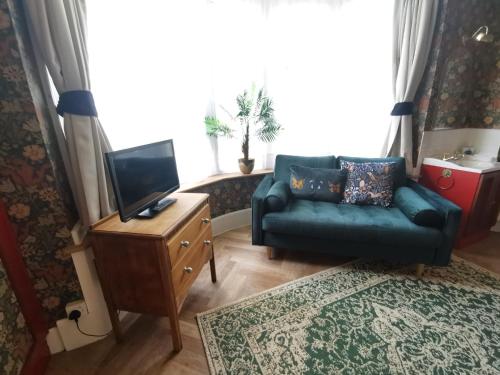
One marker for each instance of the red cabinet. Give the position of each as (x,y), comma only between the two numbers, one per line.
(478,194)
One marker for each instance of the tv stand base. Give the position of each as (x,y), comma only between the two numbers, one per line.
(152,211)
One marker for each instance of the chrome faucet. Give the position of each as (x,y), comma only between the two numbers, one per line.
(455,156)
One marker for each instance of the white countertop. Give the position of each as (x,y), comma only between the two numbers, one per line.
(467,164)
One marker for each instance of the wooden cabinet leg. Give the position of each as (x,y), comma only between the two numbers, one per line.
(113,312)
(420,270)
(176,332)
(173,317)
(212,268)
(172,312)
(271,252)
(115,323)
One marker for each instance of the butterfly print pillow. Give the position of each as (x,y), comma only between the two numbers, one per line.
(320,184)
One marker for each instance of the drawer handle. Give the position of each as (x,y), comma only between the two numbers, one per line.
(442,179)
(185,244)
(188,269)
(205,220)
(207,242)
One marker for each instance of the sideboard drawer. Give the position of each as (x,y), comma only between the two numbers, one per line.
(187,269)
(181,242)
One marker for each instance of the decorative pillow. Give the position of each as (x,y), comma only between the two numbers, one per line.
(368,183)
(417,209)
(278,196)
(320,184)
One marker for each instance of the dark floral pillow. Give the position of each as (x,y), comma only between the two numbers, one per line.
(368,183)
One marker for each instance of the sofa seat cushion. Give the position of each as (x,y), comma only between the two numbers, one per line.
(363,224)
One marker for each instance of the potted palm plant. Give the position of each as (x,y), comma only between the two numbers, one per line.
(254,112)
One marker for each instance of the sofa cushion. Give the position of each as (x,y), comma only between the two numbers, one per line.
(284,162)
(278,196)
(399,171)
(417,209)
(363,224)
(368,183)
(319,184)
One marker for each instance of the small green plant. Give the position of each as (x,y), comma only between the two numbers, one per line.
(253,112)
(216,128)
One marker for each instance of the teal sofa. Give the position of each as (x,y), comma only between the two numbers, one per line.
(395,233)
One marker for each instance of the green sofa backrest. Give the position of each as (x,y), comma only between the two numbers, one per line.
(400,173)
(283,163)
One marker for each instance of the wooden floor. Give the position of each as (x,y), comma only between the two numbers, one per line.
(242,270)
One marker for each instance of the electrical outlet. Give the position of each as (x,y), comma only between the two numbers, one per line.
(79,305)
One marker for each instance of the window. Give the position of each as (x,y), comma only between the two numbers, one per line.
(157,66)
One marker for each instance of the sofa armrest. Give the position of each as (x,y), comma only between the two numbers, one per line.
(418,209)
(452,214)
(259,207)
(278,196)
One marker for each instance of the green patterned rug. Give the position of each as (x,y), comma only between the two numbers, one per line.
(362,318)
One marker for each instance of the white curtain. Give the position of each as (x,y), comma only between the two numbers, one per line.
(151,76)
(59,31)
(326,64)
(157,67)
(414,22)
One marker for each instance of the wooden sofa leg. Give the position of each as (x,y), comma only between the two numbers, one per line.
(271,252)
(420,270)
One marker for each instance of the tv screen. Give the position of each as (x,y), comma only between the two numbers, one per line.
(142,176)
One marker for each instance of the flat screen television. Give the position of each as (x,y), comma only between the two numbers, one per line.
(142,177)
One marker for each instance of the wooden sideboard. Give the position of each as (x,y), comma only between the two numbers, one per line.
(148,265)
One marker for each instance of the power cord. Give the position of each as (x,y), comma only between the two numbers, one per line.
(75,315)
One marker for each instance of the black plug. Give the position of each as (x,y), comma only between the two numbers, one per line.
(74,315)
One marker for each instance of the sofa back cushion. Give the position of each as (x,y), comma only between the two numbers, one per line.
(318,184)
(399,167)
(284,162)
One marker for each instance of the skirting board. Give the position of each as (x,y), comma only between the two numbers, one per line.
(54,341)
(230,221)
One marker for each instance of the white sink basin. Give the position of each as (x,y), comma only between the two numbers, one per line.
(476,164)
(467,165)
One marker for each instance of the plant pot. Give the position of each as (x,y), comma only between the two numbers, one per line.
(246,166)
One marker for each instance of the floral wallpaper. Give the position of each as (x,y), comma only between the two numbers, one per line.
(427,91)
(230,195)
(15,337)
(32,181)
(461,84)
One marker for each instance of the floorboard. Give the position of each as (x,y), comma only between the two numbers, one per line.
(242,270)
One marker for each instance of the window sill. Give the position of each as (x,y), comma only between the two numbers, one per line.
(220,177)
